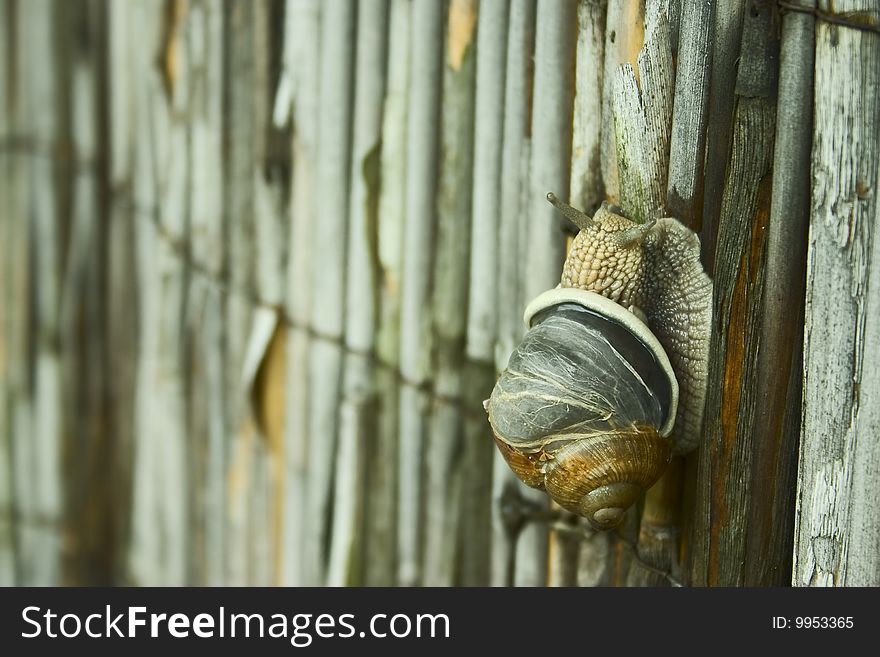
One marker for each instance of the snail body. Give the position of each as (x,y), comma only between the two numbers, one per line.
(609,380)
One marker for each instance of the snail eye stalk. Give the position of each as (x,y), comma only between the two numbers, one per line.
(574,215)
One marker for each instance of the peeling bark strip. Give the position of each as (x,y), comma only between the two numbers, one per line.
(642,117)
(838,524)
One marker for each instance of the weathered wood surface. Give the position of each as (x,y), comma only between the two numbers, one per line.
(273,254)
(779,363)
(382,469)
(300,107)
(690,112)
(586,189)
(444,482)
(328,271)
(33,387)
(624,35)
(486,288)
(642,120)
(838,526)
(426,55)
(726,45)
(737,433)
(358,409)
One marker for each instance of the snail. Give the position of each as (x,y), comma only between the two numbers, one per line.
(609,380)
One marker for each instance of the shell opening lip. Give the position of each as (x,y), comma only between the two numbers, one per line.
(620,315)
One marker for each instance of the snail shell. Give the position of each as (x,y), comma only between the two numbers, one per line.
(609,379)
(586,405)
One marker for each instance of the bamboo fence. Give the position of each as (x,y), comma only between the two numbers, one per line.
(261,261)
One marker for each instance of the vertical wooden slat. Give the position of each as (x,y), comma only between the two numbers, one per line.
(587,192)
(838,527)
(328,272)
(157,552)
(555,43)
(11,355)
(90,497)
(301,65)
(488,124)
(690,113)
(642,117)
(240,148)
(422,150)
(779,370)
(624,33)
(444,448)
(728,467)
(382,469)
(357,413)
(39,423)
(205,395)
(725,44)
(586,171)
(513,222)
(486,288)
(551,138)
(123,294)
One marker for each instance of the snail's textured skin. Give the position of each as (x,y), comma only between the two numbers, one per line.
(678,306)
(598,264)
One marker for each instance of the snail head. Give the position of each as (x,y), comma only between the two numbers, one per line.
(607,255)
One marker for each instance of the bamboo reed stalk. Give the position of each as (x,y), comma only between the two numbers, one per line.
(422,156)
(445,443)
(357,414)
(301,66)
(328,272)
(382,468)
(159,531)
(555,44)
(484,289)
(586,171)
(8,362)
(512,223)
